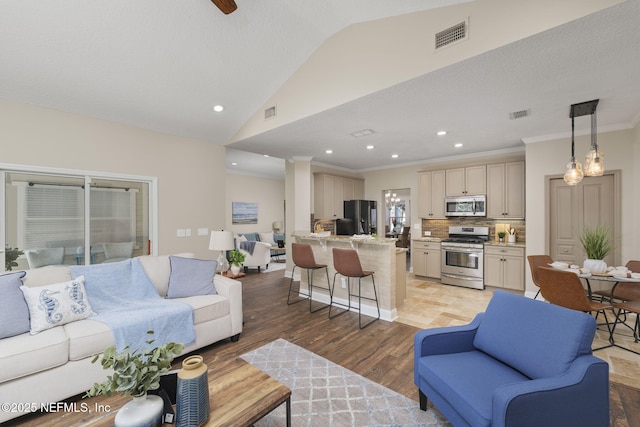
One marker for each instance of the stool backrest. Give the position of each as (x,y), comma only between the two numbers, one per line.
(303,255)
(347,262)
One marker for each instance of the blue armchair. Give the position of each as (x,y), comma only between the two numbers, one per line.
(520,363)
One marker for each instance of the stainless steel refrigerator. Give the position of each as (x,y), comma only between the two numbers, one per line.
(363,214)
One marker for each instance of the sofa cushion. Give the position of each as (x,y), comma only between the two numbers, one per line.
(251,236)
(467,381)
(267,238)
(14,312)
(158,269)
(46,276)
(518,331)
(26,354)
(87,338)
(56,304)
(208,307)
(191,277)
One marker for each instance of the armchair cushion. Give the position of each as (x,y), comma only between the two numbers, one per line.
(524,344)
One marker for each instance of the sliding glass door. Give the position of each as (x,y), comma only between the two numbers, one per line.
(66,219)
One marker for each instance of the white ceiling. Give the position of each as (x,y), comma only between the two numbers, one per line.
(163,64)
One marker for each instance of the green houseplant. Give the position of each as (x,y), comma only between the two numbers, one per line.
(501,235)
(10,257)
(596,244)
(134,374)
(236,258)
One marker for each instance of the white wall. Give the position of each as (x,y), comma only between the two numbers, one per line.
(267,193)
(191,173)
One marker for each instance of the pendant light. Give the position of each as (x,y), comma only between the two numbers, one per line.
(573,174)
(594,161)
(594,165)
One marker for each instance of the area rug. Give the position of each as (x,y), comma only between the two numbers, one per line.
(326,394)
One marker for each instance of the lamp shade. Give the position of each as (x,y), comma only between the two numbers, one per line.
(221,241)
(276,226)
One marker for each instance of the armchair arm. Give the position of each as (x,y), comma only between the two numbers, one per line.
(579,397)
(451,339)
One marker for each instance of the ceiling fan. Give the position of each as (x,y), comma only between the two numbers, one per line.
(226,6)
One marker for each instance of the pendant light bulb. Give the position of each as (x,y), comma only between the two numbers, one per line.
(573,174)
(594,163)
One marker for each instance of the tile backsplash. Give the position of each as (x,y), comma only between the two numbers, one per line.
(440,227)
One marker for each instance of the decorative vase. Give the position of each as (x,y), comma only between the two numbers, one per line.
(192,401)
(235,269)
(143,411)
(597,266)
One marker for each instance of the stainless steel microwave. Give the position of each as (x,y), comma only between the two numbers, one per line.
(465,206)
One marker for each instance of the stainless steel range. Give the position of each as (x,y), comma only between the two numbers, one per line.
(463,256)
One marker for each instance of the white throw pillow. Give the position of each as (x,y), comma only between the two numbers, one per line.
(56,304)
(267,238)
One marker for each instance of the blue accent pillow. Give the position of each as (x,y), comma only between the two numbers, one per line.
(190,277)
(14,312)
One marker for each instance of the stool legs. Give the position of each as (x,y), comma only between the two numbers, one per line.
(309,295)
(360,298)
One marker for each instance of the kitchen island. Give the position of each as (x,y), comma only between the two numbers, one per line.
(376,254)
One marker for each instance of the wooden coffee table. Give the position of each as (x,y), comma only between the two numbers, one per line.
(240,394)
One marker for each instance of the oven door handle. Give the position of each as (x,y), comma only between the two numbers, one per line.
(455,276)
(463,250)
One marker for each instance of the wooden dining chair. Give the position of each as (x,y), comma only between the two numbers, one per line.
(536,261)
(565,289)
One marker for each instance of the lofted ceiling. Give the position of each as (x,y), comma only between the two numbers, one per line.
(163,64)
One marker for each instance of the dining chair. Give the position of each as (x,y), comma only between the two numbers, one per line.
(565,289)
(536,261)
(623,291)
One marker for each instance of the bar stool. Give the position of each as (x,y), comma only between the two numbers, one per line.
(303,258)
(347,264)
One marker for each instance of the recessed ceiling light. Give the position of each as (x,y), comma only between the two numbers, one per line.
(328,151)
(441,133)
(370,147)
(266,155)
(363,132)
(458,145)
(234,164)
(394,156)
(218,108)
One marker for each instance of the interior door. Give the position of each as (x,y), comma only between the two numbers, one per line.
(594,201)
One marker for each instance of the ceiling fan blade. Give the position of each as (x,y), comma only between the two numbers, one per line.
(226,6)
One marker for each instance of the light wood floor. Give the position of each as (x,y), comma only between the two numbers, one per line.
(382,352)
(431,304)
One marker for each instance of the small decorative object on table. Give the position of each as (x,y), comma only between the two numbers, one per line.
(596,244)
(501,235)
(135,373)
(237,258)
(192,401)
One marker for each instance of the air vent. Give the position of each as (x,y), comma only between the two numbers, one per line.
(270,113)
(519,114)
(452,34)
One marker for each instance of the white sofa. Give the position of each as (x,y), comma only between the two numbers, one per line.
(56,363)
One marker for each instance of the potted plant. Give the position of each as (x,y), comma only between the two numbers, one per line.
(134,374)
(236,258)
(10,257)
(596,244)
(501,235)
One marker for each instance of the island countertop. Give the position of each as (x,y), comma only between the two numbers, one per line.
(378,254)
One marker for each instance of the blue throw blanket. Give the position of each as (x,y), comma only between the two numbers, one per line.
(125,299)
(248,245)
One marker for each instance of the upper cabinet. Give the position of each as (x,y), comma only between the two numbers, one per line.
(431,190)
(471,181)
(505,190)
(330,192)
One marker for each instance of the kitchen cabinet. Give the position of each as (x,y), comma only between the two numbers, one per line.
(505,190)
(426,258)
(431,191)
(330,192)
(504,267)
(471,181)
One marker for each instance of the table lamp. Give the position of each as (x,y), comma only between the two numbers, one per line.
(221,241)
